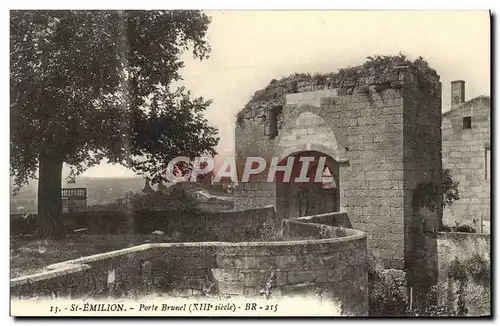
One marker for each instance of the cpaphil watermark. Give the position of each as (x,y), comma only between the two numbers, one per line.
(303,169)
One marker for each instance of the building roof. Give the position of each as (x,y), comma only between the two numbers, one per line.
(468,102)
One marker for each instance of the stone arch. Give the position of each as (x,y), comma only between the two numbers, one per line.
(318,197)
(306,147)
(306,128)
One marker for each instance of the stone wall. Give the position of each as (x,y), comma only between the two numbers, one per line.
(98,276)
(338,219)
(231,225)
(368,128)
(422,164)
(465,155)
(330,264)
(470,250)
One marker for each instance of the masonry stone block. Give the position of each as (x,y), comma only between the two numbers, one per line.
(251,291)
(236,288)
(286,261)
(296,277)
(227,275)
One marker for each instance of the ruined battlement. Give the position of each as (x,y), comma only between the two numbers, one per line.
(375,75)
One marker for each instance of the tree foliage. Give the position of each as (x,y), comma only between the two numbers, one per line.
(449,188)
(89,85)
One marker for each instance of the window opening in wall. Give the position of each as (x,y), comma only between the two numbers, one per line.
(467,123)
(271,129)
(487,167)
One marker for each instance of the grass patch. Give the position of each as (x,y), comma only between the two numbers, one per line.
(29,255)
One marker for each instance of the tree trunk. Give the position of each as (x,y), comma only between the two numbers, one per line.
(50,223)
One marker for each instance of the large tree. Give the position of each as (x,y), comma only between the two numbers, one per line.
(89,85)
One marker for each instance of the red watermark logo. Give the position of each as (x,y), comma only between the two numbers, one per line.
(302,169)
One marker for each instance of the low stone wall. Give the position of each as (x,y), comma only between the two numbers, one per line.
(339,219)
(469,255)
(230,225)
(108,274)
(332,266)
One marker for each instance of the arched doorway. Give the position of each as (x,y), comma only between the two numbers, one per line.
(311,195)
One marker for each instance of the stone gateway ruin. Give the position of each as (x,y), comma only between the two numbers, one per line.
(375,131)
(379,125)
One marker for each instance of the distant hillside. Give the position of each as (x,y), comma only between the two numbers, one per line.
(99,191)
(105,190)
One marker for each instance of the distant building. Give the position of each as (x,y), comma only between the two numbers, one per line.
(74,200)
(466,153)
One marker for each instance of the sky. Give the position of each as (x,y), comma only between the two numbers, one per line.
(250,48)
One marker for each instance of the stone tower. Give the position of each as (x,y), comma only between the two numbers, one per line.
(379,126)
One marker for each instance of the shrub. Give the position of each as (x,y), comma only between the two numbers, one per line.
(387,292)
(388,297)
(476,269)
(449,188)
(479,270)
(436,194)
(179,200)
(465,228)
(22,224)
(446,228)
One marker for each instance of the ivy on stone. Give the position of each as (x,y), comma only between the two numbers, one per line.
(435,195)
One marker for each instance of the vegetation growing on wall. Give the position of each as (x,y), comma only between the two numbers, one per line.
(269,284)
(458,227)
(180,200)
(436,195)
(475,269)
(374,67)
(387,290)
(479,270)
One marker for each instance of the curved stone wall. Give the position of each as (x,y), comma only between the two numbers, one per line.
(331,264)
(312,260)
